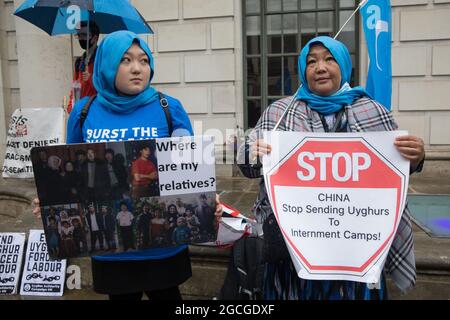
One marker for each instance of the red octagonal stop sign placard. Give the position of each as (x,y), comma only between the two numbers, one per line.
(338,200)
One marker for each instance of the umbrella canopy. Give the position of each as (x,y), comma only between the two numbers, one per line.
(58,16)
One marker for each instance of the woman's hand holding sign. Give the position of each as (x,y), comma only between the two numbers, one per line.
(260,148)
(411,148)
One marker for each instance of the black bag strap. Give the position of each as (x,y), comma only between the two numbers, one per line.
(85,111)
(239,256)
(165,105)
(162,100)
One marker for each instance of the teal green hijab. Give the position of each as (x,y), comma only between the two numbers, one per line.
(107,60)
(346,95)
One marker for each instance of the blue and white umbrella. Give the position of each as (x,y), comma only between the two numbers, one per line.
(62,16)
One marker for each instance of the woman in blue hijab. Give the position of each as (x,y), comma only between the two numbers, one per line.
(125,101)
(326,102)
(325,68)
(122,77)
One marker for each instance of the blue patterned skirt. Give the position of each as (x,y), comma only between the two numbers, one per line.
(282,283)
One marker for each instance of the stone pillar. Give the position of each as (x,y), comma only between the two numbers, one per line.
(9,85)
(3,122)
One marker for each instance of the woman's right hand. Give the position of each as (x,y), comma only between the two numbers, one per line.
(37,208)
(260,148)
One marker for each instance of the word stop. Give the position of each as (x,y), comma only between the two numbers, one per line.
(354,163)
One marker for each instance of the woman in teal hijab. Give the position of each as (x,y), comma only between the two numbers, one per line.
(342,95)
(109,57)
(125,101)
(326,102)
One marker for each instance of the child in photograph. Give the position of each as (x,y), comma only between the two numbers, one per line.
(125,219)
(52,237)
(196,236)
(182,233)
(172,216)
(109,228)
(144,228)
(159,226)
(52,214)
(64,216)
(68,248)
(79,236)
(191,218)
(74,214)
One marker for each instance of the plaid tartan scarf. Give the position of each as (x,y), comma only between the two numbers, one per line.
(363,115)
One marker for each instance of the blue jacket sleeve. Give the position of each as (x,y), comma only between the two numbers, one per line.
(74,134)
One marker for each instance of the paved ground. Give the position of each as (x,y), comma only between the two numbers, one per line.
(240,193)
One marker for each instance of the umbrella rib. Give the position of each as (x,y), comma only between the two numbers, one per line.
(59,11)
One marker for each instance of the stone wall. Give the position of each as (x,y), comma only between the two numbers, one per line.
(197,47)
(421,71)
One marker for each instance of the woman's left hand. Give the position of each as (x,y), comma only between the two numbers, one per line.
(412,148)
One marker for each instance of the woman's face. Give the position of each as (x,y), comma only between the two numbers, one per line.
(133,74)
(322,71)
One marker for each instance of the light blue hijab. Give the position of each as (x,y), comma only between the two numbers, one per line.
(107,60)
(345,95)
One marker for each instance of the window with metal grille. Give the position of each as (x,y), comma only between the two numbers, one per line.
(274,33)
